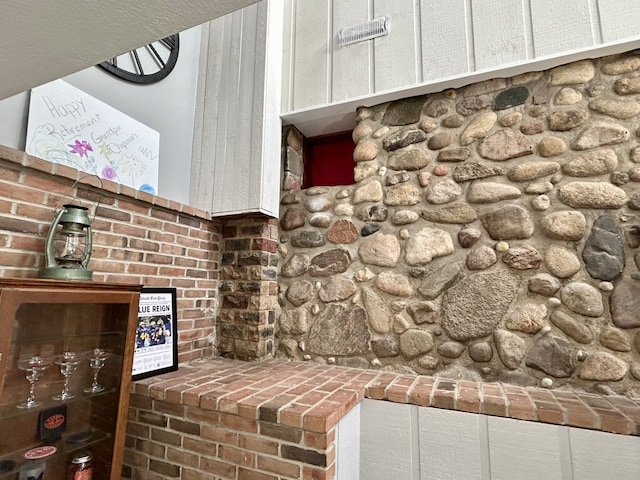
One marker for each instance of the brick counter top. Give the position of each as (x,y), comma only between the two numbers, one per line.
(256,417)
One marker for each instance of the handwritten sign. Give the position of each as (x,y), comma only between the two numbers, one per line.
(68,126)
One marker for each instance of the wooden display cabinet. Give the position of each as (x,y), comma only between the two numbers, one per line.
(46,318)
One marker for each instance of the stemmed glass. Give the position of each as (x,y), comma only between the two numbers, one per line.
(68,362)
(34,366)
(97,358)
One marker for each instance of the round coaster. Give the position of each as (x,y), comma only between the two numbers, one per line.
(40,452)
(80,437)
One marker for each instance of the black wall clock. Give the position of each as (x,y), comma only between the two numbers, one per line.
(147,64)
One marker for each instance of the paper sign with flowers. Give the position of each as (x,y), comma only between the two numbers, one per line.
(70,127)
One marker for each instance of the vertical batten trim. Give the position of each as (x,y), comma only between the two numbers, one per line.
(566,457)
(485,451)
(417,15)
(471,48)
(529,37)
(596,23)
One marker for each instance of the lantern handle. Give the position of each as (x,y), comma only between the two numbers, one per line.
(95,211)
(49,253)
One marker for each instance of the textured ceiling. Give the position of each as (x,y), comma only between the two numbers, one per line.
(43,41)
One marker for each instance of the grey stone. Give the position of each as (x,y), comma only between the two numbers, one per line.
(414,343)
(362,171)
(318,203)
(411,158)
(394,283)
(511,97)
(510,347)
(540,187)
(403,138)
(481,258)
(522,257)
(440,140)
(300,293)
(451,349)
(551,147)
(599,134)
(293,218)
(373,213)
(456,213)
(403,195)
(603,252)
(468,236)
(561,261)
(592,195)
(426,244)
(486,86)
(510,222)
(340,330)
(290,198)
(473,307)
(378,312)
(491,192)
(385,347)
(443,192)
(479,127)
(481,351)
(636,341)
(337,289)
(582,299)
(423,312)
(401,177)
(567,96)
(293,322)
(505,145)
(615,339)
(369,192)
(475,171)
(403,112)
(532,127)
(572,327)
(540,203)
(564,120)
(307,239)
(369,229)
(405,217)
(621,66)
(510,119)
(454,120)
(382,250)
(634,201)
(353,362)
(437,108)
(553,356)
(544,284)
(321,220)
(427,363)
(471,105)
(365,151)
(438,278)
(454,155)
(603,367)
(591,164)
(525,172)
(527,317)
(296,266)
(621,110)
(329,263)
(565,225)
(625,303)
(627,86)
(574,73)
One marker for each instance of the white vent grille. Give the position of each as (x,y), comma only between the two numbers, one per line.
(378,27)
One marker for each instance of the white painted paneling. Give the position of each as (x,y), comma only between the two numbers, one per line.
(388,431)
(445,41)
(288,49)
(396,56)
(550,18)
(312,53)
(619,19)
(524,450)
(599,455)
(451,445)
(348,446)
(352,69)
(499,33)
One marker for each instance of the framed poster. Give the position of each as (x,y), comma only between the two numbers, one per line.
(156,349)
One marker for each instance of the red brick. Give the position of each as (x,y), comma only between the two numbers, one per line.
(421,392)
(314,473)
(244,474)
(280,467)
(323,417)
(256,444)
(237,456)
(236,422)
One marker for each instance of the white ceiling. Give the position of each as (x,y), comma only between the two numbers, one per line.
(43,41)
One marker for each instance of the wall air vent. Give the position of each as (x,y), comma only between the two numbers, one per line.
(378,27)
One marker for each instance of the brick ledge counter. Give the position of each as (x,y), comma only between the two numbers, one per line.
(222,418)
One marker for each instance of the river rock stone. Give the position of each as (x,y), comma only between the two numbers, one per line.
(401,177)
(468,236)
(451,349)
(473,307)
(337,289)
(378,311)
(454,120)
(592,195)
(382,250)
(573,73)
(340,330)
(634,201)
(470,105)
(440,140)
(627,86)
(342,232)
(300,293)
(385,347)
(522,257)
(621,66)
(491,192)
(615,339)
(437,108)
(561,261)
(478,127)
(426,244)
(527,318)
(599,134)
(329,263)
(423,312)
(553,356)
(402,112)
(411,159)
(566,225)
(307,239)
(443,192)
(321,220)
(565,120)
(510,222)
(372,213)
(394,283)
(481,258)
(603,252)
(510,347)
(369,229)
(540,187)
(403,138)
(582,299)
(404,217)
(603,367)
(458,213)
(365,151)
(414,343)
(475,171)
(454,155)
(437,278)
(567,96)
(621,110)
(525,172)
(591,164)
(318,203)
(540,203)
(544,284)
(365,170)
(625,303)
(572,327)
(403,195)
(481,351)
(511,97)
(551,147)
(293,218)
(296,266)
(293,322)
(505,145)
(369,192)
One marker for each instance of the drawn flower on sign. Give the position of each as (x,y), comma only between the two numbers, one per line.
(105,150)
(109,173)
(81,148)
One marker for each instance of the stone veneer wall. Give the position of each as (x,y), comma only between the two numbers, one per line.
(492,233)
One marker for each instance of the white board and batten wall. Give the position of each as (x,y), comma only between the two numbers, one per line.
(380,440)
(433,45)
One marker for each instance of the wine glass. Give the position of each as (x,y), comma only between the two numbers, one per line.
(97,358)
(34,366)
(68,362)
